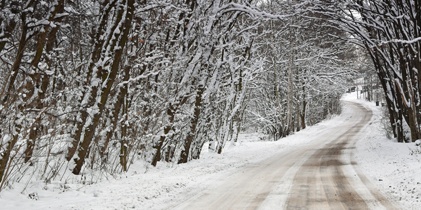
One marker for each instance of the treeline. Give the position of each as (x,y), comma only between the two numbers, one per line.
(92,86)
(309,63)
(390,32)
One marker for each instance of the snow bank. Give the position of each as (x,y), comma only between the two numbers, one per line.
(395,168)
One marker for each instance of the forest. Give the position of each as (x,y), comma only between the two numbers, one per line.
(89,87)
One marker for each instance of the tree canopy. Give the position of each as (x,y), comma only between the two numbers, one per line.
(90,87)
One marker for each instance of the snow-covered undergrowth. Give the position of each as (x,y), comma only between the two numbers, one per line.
(146,187)
(387,164)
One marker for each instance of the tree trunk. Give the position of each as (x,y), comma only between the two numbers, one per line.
(184,156)
(108,78)
(167,129)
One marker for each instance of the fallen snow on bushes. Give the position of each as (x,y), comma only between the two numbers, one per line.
(395,168)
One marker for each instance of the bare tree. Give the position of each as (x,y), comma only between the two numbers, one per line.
(390,33)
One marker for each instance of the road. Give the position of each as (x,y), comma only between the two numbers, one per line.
(318,175)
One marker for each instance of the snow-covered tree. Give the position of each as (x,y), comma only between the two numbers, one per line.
(92,86)
(390,33)
(306,71)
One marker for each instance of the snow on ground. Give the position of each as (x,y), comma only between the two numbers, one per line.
(152,188)
(395,168)
(387,164)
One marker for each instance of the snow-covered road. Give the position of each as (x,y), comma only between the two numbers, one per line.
(319,175)
(338,163)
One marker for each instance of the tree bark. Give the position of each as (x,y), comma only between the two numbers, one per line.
(107,78)
(184,156)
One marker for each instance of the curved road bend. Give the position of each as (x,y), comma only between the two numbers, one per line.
(318,175)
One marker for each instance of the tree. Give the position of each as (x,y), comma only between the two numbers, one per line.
(24,94)
(300,87)
(390,33)
(93,86)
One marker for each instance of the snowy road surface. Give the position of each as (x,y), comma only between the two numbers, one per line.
(319,175)
(316,168)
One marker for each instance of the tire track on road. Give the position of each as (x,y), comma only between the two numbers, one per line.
(318,175)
